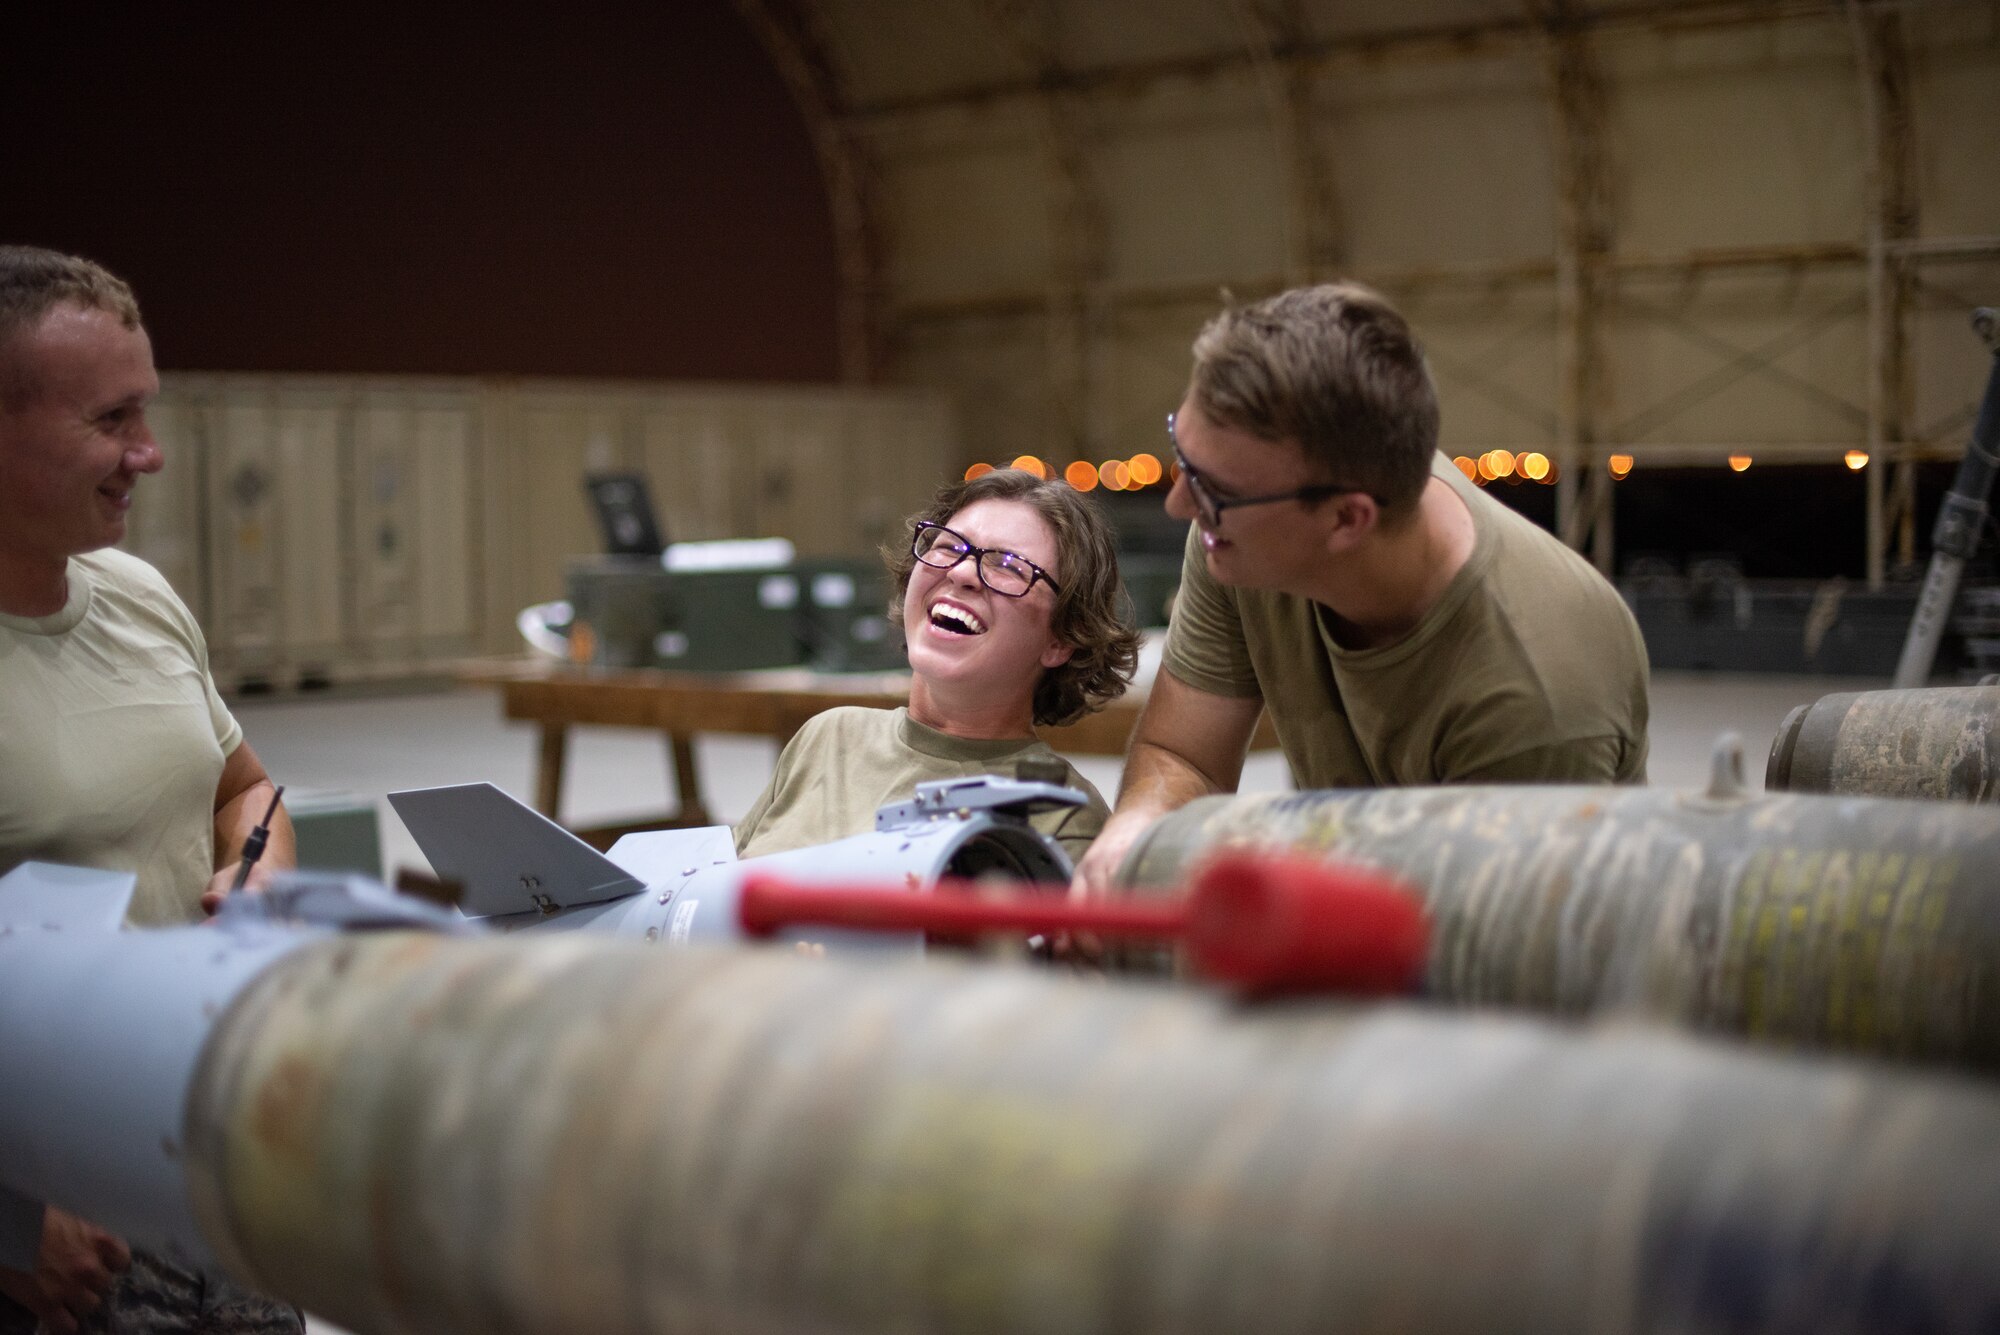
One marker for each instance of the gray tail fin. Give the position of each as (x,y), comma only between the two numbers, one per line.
(509,857)
(43,894)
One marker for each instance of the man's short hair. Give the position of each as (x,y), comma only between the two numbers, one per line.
(1333,368)
(1089,614)
(33,282)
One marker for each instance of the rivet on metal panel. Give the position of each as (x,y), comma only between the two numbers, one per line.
(653,933)
(533,885)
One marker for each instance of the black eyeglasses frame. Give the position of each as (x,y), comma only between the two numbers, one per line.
(1212,507)
(979,555)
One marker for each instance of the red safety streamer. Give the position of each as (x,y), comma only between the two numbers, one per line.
(1260,924)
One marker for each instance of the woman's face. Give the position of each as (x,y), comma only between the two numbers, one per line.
(963,634)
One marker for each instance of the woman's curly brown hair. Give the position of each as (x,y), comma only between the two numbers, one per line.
(1090,610)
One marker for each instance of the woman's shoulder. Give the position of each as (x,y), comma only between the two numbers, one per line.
(844,727)
(851,721)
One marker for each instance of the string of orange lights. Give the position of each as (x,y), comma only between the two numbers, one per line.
(1134,474)
(1534,466)
(1145,470)
(1502,465)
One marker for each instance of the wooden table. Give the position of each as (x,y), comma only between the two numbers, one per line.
(774,703)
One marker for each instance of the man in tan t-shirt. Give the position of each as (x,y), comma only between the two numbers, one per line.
(1401,626)
(115,750)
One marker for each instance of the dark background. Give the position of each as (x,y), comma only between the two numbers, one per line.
(1778,521)
(621,190)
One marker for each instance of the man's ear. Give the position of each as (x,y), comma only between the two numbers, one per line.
(1057,654)
(1350,518)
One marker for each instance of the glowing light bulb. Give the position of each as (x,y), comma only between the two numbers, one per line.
(1028,463)
(1080,475)
(1467,467)
(977,470)
(1856,459)
(1620,464)
(1534,465)
(1739,463)
(1145,470)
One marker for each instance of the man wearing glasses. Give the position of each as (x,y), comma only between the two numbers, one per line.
(1401,626)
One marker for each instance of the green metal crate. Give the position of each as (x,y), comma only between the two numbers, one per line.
(844,616)
(632,613)
(336,831)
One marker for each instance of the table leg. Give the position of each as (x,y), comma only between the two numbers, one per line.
(687,782)
(549,771)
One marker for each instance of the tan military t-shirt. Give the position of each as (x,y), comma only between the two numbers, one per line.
(1529,669)
(845,763)
(112,737)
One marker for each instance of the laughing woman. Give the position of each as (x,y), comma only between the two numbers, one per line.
(1008,597)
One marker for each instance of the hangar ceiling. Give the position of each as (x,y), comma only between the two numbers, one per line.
(1674,229)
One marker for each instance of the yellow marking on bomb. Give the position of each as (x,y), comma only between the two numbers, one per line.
(1858,912)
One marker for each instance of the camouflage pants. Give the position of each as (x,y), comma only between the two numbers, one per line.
(157,1297)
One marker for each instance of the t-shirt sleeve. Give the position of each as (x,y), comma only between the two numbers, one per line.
(1205,644)
(1580,760)
(228,733)
(753,820)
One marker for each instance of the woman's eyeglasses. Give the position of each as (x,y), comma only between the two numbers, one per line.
(1006,573)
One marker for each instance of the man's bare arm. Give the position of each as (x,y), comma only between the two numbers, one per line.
(242,796)
(1188,744)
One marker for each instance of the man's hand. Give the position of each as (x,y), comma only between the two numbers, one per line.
(242,795)
(1186,744)
(1093,879)
(219,886)
(75,1268)
(1100,863)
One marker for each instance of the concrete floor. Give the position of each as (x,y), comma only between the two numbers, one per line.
(369,746)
